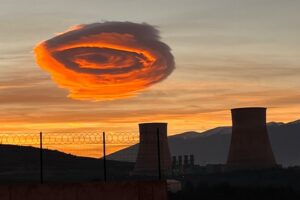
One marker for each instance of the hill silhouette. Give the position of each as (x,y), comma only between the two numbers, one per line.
(22,164)
(212,146)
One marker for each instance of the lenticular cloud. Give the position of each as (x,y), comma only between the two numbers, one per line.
(109,60)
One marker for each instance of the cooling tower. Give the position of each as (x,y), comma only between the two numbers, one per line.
(250,146)
(147,162)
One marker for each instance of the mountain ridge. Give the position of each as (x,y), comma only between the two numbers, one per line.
(212,146)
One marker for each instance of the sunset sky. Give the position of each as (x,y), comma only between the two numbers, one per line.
(231,53)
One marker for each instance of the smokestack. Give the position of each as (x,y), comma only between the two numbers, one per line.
(147,159)
(192,160)
(250,146)
(186,161)
(180,161)
(174,162)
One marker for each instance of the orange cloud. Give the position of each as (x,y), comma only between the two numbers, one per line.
(103,61)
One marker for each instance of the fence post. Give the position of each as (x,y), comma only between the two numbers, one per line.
(41,159)
(158,154)
(104,156)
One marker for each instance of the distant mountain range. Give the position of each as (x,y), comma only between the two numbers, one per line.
(212,146)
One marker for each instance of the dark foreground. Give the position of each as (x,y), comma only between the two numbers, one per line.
(21,165)
(280,183)
(239,193)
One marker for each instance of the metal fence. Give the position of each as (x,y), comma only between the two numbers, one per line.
(66,156)
(69,157)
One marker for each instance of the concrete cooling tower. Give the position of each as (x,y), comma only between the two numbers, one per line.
(250,146)
(147,158)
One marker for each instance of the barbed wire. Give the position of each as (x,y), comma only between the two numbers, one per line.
(50,138)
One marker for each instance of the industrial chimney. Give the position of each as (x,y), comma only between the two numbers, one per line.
(250,146)
(147,162)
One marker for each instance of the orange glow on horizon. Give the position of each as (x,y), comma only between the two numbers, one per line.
(176,124)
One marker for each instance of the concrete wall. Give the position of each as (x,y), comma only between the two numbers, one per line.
(87,191)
